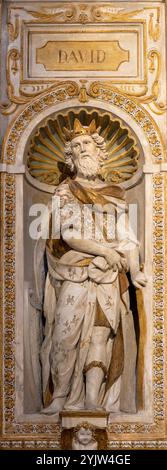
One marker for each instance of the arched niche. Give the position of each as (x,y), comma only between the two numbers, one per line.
(143,191)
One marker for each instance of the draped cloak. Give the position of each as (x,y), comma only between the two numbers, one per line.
(77,284)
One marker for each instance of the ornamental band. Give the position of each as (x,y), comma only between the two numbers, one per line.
(88,354)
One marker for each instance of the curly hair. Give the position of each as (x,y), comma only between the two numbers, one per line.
(99,141)
(85,425)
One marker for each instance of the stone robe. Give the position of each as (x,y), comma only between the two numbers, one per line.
(77,285)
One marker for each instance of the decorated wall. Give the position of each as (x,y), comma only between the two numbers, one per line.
(61,61)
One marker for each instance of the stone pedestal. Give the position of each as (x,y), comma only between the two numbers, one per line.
(72,421)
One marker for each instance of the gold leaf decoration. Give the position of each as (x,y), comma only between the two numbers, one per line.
(54,14)
(45,160)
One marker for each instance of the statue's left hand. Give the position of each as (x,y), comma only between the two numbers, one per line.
(139,279)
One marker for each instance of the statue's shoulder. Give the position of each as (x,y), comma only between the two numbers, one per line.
(63,186)
(63,191)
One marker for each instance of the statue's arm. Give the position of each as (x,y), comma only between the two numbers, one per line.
(137,276)
(91,247)
(131,248)
(87,246)
(95,248)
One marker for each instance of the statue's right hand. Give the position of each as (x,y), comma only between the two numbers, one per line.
(113,259)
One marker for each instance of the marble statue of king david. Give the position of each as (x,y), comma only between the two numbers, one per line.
(89,348)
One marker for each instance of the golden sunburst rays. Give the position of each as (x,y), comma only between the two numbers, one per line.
(123,154)
(45,159)
(46,153)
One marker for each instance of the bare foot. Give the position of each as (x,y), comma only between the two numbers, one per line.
(55,407)
(93,406)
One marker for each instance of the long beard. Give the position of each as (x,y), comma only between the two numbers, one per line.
(88,166)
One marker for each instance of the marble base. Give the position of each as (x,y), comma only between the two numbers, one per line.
(70,419)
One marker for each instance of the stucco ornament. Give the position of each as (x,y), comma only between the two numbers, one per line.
(84,439)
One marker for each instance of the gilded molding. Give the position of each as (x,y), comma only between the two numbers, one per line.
(89,12)
(158,294)
(154,26)
(142,96)
(151,444)
(9,298)
(2,180)
(139,96)
(83,96)
(155,58)
(103,13)
(165,254)
(13,58)
(61,14)
(97,90)
(147,93)
(30,444)
(55,445)
(13,29)
(105,91)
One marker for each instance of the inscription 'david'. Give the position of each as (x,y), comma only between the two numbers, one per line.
(98,56)
(82,55)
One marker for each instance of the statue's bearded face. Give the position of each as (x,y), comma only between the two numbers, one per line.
(85,155)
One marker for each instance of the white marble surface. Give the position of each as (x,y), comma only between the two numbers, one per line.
(69,420)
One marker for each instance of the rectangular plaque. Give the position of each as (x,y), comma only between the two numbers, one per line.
(116,52)
(82,55)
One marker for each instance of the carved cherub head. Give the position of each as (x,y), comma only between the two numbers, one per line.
(84,437)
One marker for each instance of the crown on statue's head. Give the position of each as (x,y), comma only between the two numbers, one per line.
(79,129)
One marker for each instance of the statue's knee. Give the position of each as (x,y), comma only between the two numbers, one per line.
(100,335)
(98,347)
